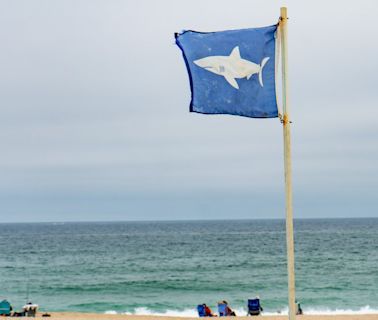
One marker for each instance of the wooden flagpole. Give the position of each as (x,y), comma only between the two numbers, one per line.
(287,160)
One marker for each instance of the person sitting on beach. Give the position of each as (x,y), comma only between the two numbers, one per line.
(229,311)
(208,312)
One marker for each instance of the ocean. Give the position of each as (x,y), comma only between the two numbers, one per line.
(170,267)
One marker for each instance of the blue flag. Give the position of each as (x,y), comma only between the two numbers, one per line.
(232,72)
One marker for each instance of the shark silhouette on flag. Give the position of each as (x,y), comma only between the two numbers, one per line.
(232,67)
(232,72)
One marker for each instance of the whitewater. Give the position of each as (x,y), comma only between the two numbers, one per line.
(190,313)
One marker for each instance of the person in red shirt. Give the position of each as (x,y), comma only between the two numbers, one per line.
(208,312)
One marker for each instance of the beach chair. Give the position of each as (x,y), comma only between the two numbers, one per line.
(5,308)
(254,307)
(222,309)
(30,309)
(201,310)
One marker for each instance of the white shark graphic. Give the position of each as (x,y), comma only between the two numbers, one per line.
(232,67)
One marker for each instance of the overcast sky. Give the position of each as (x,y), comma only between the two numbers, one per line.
(95,125)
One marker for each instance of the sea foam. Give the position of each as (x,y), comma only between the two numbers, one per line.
(242,312)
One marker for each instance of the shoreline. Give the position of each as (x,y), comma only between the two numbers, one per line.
(99,316)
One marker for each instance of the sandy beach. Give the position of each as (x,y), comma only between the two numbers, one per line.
(96,316)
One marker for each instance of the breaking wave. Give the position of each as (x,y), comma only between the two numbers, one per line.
(242,312)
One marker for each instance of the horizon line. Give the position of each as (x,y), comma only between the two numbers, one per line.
(183,220)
